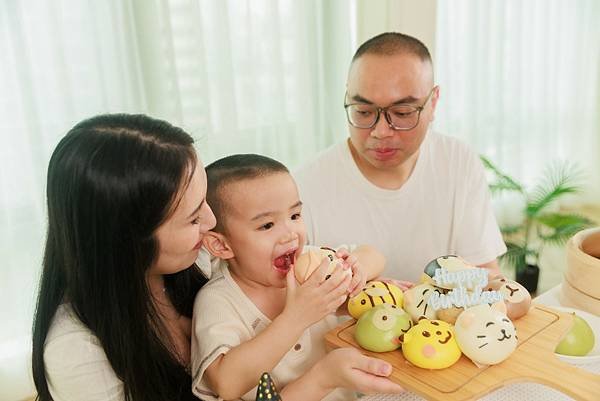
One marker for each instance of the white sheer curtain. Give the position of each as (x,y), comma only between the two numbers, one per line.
(255,76)
(520,81)
(61,61)
(261,76)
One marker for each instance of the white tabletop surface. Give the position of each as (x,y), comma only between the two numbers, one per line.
(520,391)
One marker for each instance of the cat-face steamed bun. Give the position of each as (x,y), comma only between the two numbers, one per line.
(431,344)
(516,297)
(485,334)
(415,302)
(374,293)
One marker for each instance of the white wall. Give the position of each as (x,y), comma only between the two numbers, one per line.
(415,18)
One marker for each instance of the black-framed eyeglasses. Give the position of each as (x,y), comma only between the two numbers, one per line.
(401,117)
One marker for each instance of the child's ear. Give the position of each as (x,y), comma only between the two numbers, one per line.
(217,245)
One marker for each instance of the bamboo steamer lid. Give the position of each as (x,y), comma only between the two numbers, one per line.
(572,297)
(583,270)
(591,244)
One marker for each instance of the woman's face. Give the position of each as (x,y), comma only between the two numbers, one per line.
(180,236)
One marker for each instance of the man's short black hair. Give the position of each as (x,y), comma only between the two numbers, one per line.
(232,169)
(391,43)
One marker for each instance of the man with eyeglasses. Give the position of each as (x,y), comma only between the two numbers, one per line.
(395,183)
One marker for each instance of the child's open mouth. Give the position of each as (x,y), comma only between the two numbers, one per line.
(285,261)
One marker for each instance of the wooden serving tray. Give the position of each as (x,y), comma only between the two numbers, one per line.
(533,361)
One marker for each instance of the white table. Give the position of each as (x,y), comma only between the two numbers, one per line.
(517,392)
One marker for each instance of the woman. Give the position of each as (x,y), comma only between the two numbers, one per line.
(126,214)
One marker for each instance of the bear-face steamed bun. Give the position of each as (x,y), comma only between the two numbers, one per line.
(516,297)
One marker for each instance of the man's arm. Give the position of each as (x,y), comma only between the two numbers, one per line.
(493,268)
(372,261)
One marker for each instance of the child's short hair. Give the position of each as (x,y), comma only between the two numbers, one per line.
(232,169)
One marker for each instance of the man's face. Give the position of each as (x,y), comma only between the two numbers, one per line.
(383,81)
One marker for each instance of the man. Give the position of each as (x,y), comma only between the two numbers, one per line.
(394,183)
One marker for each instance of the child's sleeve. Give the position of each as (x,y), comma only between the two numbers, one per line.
(216,328)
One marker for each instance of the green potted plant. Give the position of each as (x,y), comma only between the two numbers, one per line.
(541,222)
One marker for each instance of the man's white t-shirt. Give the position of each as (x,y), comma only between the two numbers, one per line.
(443,208)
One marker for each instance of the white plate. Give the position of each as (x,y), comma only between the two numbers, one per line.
(593,357)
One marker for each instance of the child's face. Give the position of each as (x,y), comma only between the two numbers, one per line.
(264,228)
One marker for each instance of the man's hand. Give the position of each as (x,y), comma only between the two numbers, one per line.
(402,284)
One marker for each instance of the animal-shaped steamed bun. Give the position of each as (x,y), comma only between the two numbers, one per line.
(431,344)
(309,261)
(516,297)
(415,301)
(451,263)
(485,335)
(374,293)
(379,329)
(450,315)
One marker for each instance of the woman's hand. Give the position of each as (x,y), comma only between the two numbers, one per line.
(359,276)
(342,367)
(347,367)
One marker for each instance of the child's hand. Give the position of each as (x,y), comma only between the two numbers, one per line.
(359,276)
(402,284)
(316,298)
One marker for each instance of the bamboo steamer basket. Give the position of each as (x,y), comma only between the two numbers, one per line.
(581,286)
(572,297)
(591,243)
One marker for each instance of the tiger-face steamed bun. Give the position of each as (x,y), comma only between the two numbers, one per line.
(416,302)
(374,293)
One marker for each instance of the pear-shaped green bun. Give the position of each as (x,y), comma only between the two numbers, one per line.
(579,341)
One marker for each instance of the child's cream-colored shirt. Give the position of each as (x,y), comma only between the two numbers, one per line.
(224,317)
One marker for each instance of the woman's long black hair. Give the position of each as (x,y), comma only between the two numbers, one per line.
(112,180)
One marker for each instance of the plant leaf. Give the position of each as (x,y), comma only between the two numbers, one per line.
(563,226)
(559,180)
(502,182)
(558,220)
(510,230)
(516,254)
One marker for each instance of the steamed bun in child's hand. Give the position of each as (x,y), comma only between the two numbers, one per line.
(309,261)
